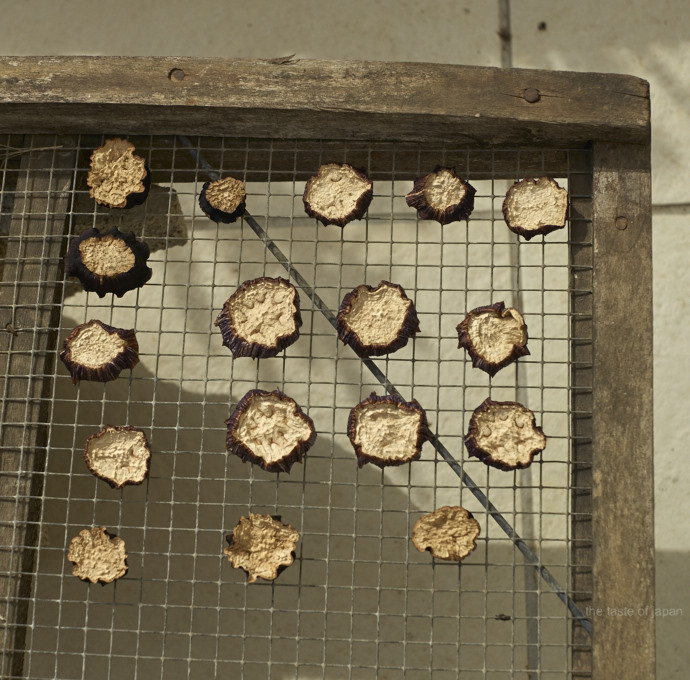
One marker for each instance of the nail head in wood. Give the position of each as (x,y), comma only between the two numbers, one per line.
(176,75)
(621,223)
(531,95)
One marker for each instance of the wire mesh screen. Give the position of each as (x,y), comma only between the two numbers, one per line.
(359,601)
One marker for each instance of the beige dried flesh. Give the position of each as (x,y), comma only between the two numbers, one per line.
(94,347)
(377,316)
(107,256)
(533,204)
(271,428)
(449,533)
(494,337)
(506,433)
(442,190)
(115,173)
(97,556)
(261,545)
(335,190)
(226,194)
(119,455)
(387,431)
(263,312)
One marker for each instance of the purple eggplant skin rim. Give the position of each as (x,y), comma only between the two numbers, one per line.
(478,361)
(454,213)
(423,433)
(527,234)
(128,358)
(474,450)
(256,350)
(247,455)
(357,213)
(408,328)
(119,284)
(121,428)
(216,214)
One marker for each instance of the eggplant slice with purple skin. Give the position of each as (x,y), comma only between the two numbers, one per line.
(118,455)
(262,546)
(118,178)
(98,352)
(338,194)
(112,262)
(261,318)
(449,533)
(270,430)
(223,200)
(504,434)
(494,336)
(376,321)
(98,556)
(387,430)
(442,196)
(534,207)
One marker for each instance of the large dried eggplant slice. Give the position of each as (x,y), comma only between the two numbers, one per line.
(387,430)
(504,434)
(535,206)
(223,200)
(269,429)
(112,262)
(262,546)
(442,196)
(376,321)
(494,336)
(118,178)
(118,455)
(338,194)
(97,556)
(261,318)
(98,352)
(449,533)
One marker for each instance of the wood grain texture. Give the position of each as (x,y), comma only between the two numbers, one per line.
(312,99)
(623,490)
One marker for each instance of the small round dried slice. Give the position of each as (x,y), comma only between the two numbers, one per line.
(261,318)
(108,263)
(535,206)
(97,556)
(223,200)
(117,177)
(494,336)
(269,429)
(338,194)
(449,533)
(96,351)
(119,455)
(261,545)
(376,321)
(504,434)
(387,430)
(442,196)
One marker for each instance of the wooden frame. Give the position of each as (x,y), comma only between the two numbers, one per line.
(416,102)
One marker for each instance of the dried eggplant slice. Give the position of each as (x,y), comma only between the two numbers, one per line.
(96,351)
(97,556)
(112,262)
(261,318)
(376,321)
(535,206)
(118,455)
(504,434)
(387,430)
(223,200)
(442,196)
(269,429)
(338,194)
(262,546)
(118,178)
(449,533)
(494,336)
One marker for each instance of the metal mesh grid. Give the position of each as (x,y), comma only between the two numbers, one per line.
(359,601)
